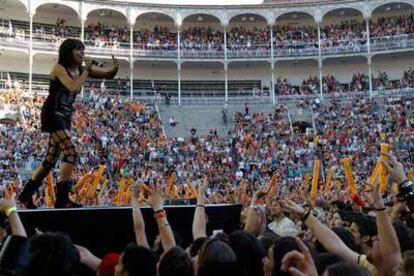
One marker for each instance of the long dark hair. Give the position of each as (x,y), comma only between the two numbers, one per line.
(65,51)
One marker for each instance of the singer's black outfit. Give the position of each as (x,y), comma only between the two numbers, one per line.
(58,108)
(56,119)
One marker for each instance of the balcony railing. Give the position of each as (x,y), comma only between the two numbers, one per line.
(50,42)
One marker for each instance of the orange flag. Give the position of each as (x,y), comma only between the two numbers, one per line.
(98,176)
(51,189)
(103,188)
(374,174)
(349,177)
(170,183)
(383,174)
(272,184)
(315,179)
(328,180)
(411,175)
(306,180)
(119,194)
(190,192)
(81,182)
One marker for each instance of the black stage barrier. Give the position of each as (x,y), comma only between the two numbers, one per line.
(109,229)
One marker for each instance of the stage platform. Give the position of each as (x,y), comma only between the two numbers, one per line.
(110,229)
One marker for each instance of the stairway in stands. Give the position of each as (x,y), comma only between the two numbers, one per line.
(203,118)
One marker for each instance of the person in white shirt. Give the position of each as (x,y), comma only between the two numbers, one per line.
(281,225)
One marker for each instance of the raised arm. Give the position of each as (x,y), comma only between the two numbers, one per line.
(199,221)
(98,74)
(8,206)
(87,258)
(72,85)
(388,242)
(256,216)
(164,228)
(14,255)
(138,220)
(324,235)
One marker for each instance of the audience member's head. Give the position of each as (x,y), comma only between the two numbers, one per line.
(136,260)
(52,254)
(345,269)
(272,265)
(216,258)
(249,251)
(175,262)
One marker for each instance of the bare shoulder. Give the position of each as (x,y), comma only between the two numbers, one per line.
(57,70)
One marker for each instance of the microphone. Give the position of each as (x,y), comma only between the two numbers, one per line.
(97,63)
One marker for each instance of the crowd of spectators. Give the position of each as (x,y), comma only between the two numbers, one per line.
(408,78)
(308,86)
(263,163)
(202,38)
(241,38)
(127,139)
(347,34)
(350,33)
(359,82)
(296,37)
(392,26)
(283,231)
(101,35)
(160,38)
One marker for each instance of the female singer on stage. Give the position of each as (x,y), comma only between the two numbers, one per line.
(66,80)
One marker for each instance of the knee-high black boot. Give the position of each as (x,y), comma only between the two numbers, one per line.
(62,195)
(26,196)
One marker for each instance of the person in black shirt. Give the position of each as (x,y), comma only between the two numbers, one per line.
(66,80)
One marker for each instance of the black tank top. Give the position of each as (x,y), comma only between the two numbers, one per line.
(60,100)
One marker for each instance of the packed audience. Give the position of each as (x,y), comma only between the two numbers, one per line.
(291,224)
(280,234)
(345,35)
(293,37)
(202,38)
(407,80)
(350,33)
(160,38)
(241,38)
(392,26)
(100,35)
(308,86)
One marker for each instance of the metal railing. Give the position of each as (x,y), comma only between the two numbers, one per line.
(51,42)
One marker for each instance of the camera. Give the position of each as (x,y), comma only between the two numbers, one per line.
(407,190)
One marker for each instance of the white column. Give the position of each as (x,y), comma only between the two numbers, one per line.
(320,60)
(226,66)
(83,40)
(178,43)
(272,88)
(225,42)
(320,78)
(83,30)
(369,57)
(179,82)
(179,63)
(30,52)
(131,61)
(272,66)
(226,81)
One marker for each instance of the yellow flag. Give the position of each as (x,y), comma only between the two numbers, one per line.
(315,179)
(383,174)
(328,180)
(349,177)
(51,189)
(98,177)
